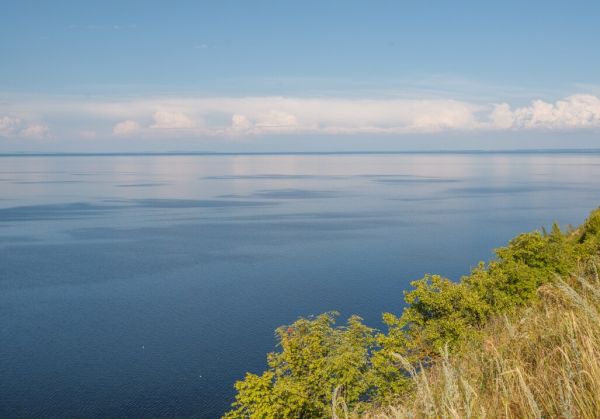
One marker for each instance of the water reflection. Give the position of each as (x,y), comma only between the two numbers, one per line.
(198,258)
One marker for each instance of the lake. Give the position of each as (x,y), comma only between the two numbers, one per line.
(145,285)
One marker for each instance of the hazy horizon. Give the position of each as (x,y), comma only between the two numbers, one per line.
(300,152)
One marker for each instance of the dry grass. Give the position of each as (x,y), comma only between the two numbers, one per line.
(543,362)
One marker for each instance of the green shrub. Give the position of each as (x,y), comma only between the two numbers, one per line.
(316,358)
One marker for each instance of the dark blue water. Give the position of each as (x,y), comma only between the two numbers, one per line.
(146,285)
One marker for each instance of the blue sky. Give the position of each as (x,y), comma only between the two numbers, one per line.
(298,75)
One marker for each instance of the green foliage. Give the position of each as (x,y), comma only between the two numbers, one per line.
(589,237)
(316,357)
(440,311)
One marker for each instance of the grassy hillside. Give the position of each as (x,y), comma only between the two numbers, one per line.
(543,361)
(518,337)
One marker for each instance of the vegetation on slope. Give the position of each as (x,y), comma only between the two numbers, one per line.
(542,362)
(459,349)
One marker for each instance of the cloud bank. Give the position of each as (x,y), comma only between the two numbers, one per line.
(125,128)
(255,116)
(13,127)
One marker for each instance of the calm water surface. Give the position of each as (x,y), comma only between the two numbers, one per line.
(146,285)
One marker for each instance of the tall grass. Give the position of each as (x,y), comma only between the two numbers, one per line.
(542,361)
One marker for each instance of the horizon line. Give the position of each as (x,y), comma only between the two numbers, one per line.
(275,153)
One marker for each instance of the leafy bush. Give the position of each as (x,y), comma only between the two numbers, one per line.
(316,358)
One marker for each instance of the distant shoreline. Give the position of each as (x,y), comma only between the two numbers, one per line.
(295,153)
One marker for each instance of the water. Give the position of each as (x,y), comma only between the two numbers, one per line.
(146,285)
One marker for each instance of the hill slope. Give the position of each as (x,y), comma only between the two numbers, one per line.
(518,337)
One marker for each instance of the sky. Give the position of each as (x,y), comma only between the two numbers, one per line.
(256,76)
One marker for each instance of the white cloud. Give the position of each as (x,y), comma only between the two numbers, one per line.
(502,117)
(9,126)
(240,123)
(165,119)
(199,117)
(12,127)
(276,119)
(34,131)
(126,127)
(573,112)
(349,116)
